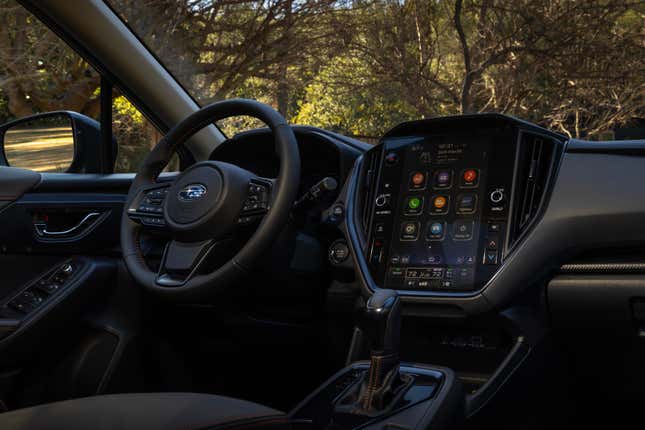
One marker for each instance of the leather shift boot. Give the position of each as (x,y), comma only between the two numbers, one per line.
(379,388)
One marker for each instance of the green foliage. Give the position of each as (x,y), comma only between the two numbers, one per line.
(355,67)
(344,98)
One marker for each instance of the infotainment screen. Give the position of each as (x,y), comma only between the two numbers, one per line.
(440,212)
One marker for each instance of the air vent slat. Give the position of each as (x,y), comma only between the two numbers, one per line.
(536,159)
(368,182)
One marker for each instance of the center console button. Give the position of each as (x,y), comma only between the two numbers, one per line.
(409,231)
(440,204)
(338,252)
(462,230)
(397,272)
(466,203)
(379,229)
(417,181)
(443,179)
(436,231)
(413,206)
(382,200)
(469,178)
(490,257)
(391,158)
(411,283)
(497,196)
(494,227)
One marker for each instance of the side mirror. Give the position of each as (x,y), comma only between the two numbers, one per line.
(60,141)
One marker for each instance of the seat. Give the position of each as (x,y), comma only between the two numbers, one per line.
(171,411)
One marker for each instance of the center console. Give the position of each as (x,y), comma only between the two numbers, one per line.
(383,393)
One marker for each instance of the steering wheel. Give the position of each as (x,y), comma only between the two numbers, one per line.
(205,205)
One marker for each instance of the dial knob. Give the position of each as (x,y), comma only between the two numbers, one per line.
(497,196)
(382,200)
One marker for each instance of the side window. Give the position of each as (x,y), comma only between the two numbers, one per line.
(42,80)
(40,73)
(135,135)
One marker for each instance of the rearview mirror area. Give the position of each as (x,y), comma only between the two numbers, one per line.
(42,143)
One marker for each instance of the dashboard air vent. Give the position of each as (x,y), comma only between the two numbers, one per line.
(535,165)
(368,186)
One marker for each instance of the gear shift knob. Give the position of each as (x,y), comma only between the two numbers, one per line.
(381,322)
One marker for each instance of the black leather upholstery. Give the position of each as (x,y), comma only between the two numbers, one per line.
(171,411)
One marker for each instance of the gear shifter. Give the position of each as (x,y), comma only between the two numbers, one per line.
(380,386)
(381,322)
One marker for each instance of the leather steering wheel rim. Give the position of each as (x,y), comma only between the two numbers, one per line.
(284,193)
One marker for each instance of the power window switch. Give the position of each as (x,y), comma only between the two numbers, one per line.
(20,306)
(48,287)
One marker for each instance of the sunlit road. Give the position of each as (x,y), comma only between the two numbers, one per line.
(42,149)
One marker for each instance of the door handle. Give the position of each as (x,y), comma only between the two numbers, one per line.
(41,228)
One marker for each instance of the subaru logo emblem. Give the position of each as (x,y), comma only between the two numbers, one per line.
(192,192)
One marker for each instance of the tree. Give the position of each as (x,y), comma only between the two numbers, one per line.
(574,66)
(39,73)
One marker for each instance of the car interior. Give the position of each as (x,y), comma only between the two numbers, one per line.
(465,271)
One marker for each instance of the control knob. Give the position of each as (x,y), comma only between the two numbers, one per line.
(382,200)
(497,196)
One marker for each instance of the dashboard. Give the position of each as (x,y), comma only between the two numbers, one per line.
(322,155)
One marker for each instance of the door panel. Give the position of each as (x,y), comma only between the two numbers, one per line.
(45,312)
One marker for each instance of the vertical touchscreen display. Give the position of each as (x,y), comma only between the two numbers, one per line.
(437,222)
(439,206)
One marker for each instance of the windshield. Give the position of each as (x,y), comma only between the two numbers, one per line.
(361,67)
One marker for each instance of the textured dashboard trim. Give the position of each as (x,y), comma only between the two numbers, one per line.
(603,268)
